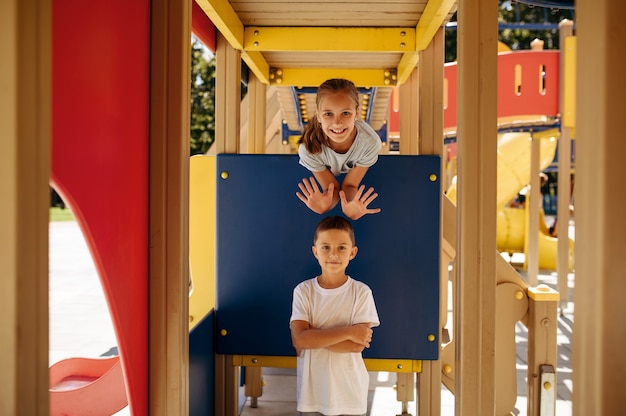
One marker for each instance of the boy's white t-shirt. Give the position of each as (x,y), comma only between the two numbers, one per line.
(330,382)
(363,152)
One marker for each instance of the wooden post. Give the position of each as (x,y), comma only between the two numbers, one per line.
(25,128)
(409,115)
(227,115)
(430,142)
(566,29)
(257,98)
(533,202)
(600,334)
(227,97)
(169,210)
(475,307)
(542,350)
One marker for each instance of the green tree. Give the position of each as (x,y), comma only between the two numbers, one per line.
(202,129)
(518,37)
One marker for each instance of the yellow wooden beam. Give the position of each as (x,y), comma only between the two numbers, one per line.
(329,39)
(407,63)
(313,77)
(431,20)
(257,64)
(372,364)
(225,20)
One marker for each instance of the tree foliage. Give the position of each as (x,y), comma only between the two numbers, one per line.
(202,129)
(518,37)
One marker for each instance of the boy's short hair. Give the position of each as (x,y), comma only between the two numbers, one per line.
(335,222)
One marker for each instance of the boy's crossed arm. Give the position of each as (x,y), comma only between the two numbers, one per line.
(352,338)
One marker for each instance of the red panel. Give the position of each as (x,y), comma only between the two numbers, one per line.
(203,28)
(535,91)
(100,102)
(449,109)
(528,97)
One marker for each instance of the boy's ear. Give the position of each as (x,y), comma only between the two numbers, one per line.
(314,250)
(355,249)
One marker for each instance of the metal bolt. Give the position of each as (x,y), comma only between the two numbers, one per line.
(224,175)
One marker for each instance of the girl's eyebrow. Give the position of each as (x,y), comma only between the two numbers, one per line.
(329,110)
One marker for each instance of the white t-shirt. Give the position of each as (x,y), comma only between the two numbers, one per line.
(332,383)
(363,152)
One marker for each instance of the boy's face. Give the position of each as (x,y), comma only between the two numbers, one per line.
(334,250)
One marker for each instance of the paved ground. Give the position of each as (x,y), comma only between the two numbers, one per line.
(80,326)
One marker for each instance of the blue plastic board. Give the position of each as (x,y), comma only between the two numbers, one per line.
(264,239)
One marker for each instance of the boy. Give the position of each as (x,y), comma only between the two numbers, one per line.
(331,321)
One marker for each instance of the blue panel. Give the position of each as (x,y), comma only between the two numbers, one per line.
(264,239)
(202,367)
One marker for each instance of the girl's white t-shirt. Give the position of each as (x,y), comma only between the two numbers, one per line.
(329,382)
(363,152)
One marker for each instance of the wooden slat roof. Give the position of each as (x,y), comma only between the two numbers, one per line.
(290,44)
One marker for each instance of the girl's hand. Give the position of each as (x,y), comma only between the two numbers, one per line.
(357,207)
(318,202)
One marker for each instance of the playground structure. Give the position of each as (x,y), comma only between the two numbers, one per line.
(116,240)
(202,307)
(240,296)
(514,174)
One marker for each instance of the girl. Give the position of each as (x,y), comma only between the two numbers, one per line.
(337,141)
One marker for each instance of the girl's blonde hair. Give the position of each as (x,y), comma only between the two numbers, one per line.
(313,136)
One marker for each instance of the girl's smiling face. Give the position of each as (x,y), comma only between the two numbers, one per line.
(337,114)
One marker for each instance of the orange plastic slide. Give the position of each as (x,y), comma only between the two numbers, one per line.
(87,386)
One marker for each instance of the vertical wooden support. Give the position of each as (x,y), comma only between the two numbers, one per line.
(169,210)
(254,384)
(409,115)
(533,202)
(226,386)
(227,96)
(25,128)
(542,349)
(227,115)
(257,97)
(566,87)
(511,306)
(431,143)
(405,390)
(475,306)
(600,334)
